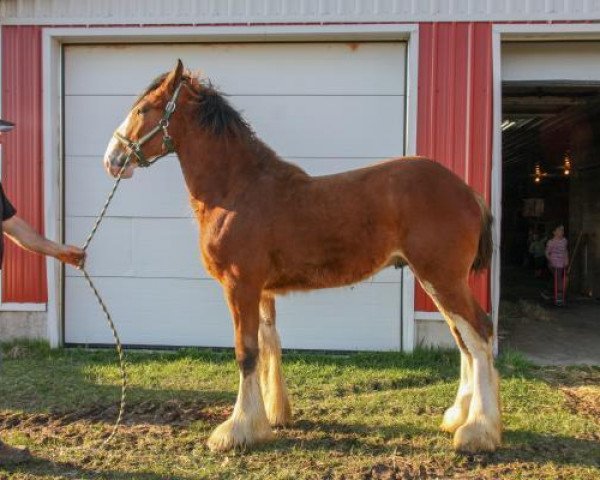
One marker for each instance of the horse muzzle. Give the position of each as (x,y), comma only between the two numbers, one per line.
(114,161)
(115,157)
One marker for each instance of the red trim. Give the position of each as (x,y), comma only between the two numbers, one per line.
(23,273)
(454,119)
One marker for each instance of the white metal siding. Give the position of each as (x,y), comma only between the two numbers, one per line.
(548,61)
(326,106)
(65,12)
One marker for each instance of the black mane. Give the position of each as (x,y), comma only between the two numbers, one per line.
(214,112)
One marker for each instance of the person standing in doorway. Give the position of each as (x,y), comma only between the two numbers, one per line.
(558,259)
(537,250)
(23,234)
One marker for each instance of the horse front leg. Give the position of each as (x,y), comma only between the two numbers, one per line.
(248,424)
(274,390)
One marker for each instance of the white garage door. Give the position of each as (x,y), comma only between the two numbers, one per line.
(326,106)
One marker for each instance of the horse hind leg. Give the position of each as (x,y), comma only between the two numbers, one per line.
(248,423)
(274,390)
(457,414)
(482,429)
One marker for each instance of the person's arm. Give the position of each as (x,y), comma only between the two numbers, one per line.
(20,232)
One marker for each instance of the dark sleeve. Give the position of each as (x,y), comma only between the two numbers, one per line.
(8,210)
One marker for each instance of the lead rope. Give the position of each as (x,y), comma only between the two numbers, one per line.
(118,345)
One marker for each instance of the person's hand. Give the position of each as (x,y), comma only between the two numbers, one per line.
(72,255)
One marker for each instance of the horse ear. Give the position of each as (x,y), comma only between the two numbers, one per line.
(174,76)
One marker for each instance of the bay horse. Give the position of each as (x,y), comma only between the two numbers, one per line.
(268,228)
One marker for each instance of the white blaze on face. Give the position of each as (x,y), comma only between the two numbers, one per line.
(114,151)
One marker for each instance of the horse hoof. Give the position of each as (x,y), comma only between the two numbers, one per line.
(454,417)
(477,436)
(237,434)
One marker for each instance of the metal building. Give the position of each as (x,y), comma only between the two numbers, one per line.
(414,77)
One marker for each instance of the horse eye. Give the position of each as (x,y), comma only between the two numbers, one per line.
(140,111)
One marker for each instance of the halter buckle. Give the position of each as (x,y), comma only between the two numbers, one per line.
(170,107)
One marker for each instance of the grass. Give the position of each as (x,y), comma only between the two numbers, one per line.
(360,415)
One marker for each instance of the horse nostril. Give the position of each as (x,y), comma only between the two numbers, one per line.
(118,160)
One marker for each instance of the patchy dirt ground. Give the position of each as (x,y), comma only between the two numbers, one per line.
(581,388)
(171,413)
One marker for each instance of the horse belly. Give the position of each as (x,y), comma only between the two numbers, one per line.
(328,274)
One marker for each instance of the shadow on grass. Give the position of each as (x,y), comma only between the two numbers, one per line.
(518,445)
(174,408)
(42,387)
(61,386)
(524,445)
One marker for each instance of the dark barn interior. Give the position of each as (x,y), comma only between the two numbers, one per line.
(550,176)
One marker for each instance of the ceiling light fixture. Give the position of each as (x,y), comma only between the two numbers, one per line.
(537,173)
(567,164)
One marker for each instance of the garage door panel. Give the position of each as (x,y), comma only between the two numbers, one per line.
(194,312)
(168,248)
(246,69)
(363,317)
(328,126)
(139,247)
(105,114)
(325,126)
(159,191)
(111,251)
(149,312)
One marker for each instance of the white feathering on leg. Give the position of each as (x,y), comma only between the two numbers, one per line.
(457,414)
(248,424)
(275,395)
(483,429)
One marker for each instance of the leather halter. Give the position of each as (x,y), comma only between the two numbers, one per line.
(135,147)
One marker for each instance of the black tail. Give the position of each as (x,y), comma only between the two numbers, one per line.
(486,246)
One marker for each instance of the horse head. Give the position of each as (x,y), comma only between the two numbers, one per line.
(144,136)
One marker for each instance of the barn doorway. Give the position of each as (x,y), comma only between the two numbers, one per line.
(550,177)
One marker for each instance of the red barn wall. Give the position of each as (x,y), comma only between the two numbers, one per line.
(23,273)
(454,113)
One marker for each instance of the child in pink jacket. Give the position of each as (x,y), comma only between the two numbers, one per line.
(558,260)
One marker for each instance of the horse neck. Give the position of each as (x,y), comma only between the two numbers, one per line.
(217,168)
